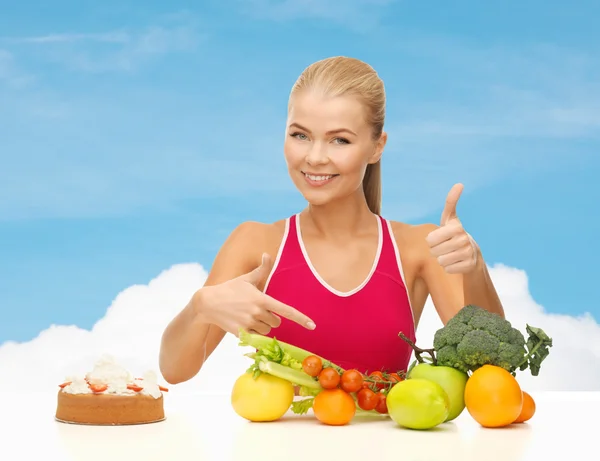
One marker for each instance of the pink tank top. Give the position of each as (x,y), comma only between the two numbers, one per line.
(355,329)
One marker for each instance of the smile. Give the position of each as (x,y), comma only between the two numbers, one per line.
(318,180)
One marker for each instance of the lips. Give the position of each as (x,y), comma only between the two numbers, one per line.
(315,179)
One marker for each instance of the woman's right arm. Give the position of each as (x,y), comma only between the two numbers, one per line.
(231,298)
(189,339)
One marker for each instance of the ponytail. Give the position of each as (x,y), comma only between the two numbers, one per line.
(372,187)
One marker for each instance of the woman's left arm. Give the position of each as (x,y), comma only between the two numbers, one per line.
(455,271)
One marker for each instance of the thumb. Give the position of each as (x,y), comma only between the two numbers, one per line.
(261,272)
(451,201)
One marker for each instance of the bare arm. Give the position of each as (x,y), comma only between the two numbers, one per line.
(188,341)
(451,292)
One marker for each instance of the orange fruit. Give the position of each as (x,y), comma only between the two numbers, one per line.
(334,407)
(493,396)
(528,409)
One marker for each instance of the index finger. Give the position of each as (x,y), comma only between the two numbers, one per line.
(282,309)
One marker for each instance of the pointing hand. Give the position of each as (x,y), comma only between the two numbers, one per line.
(454,248)
(238,303)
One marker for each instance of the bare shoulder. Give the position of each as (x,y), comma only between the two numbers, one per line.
(242,250)
(413,236)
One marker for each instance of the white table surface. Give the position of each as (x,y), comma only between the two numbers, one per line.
(205,428)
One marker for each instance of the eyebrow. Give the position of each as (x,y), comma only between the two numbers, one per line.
(336,131)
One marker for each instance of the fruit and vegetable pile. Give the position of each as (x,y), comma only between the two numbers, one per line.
(473,364)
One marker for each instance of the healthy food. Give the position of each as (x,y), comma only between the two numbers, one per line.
(473,364)
(260,399)
(334,407)
(453,382)
(528,409)
(418,404)
(475,337)
(493,396)
(328,389)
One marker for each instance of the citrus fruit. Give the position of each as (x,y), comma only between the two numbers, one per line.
(493,396)
(528,409)
(453,381)
(418,403)
(334,407)
(266,398)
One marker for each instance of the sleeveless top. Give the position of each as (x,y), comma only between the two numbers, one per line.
(355,329)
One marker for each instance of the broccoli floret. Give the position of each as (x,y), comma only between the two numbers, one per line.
(449,356)
(477,348)
(475,337)
(450,336)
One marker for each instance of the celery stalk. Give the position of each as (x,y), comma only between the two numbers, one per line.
(294,376)
(259,342)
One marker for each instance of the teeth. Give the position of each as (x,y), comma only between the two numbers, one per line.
(318,178)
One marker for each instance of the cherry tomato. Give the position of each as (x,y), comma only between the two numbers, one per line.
(367,399)
(377,376)
(381,406)
(329,378)
(312,365)
(394,378)
(351,381)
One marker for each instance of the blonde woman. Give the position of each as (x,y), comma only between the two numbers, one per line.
(336,278)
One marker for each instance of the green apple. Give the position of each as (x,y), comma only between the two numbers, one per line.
(453,381)
(418,404)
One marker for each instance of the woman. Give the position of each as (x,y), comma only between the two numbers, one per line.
(343,281)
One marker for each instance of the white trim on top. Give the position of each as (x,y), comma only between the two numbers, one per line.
(322,281)
(399,262)
(279,253)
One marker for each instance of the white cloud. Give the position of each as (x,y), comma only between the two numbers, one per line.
(132,328)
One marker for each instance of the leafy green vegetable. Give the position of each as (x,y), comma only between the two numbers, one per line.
(475,337)
(301,407)
(538,344)
(279,351)
(278,359)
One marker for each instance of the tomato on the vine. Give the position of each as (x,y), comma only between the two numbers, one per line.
(367,399)
(381,406)
(312,365)
(351,381)
(395,378)
(377,376)
(329,378)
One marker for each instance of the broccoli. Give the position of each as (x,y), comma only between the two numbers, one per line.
(475,337)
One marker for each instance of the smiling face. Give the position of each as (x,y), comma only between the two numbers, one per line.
(328,145)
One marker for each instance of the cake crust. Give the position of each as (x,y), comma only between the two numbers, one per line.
(110,395)
(108,409)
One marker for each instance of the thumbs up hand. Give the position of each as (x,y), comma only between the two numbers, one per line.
(454,248)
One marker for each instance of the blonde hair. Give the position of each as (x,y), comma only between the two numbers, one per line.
(342,76)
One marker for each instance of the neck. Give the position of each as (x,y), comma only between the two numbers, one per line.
(344,217)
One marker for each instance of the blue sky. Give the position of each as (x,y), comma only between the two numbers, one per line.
(134,136)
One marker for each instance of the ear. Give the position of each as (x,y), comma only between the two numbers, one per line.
(379,147)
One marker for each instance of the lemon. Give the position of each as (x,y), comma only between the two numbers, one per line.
(266,398)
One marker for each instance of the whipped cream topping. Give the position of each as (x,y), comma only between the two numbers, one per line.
(118,380)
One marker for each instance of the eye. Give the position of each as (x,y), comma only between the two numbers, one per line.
(300,136)
(341,141)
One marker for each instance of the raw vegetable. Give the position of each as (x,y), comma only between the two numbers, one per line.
(329,378)
(367,399)
(315,375)
(475,337)
(280,352)
(312,365)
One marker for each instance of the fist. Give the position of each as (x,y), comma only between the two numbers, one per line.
(454,248)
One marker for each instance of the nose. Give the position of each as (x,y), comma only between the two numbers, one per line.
(317,155)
